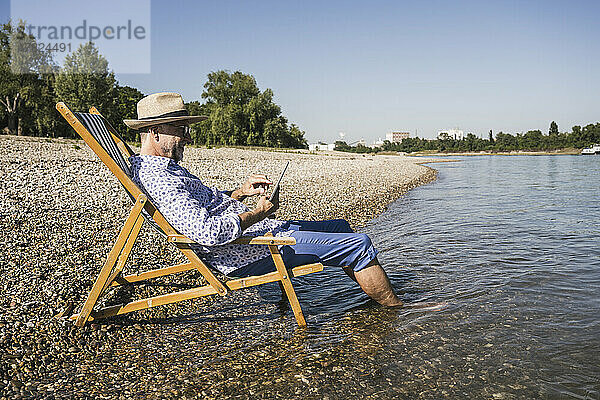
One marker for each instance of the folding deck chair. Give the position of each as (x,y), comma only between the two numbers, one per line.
(109,146)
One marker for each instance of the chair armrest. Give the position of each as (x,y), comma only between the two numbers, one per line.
(241,240)
(265,240)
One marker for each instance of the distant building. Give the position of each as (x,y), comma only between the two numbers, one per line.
(378,143)
(397,137)
(320,146)
(455,134)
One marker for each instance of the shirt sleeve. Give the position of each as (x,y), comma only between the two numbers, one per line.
(189,214)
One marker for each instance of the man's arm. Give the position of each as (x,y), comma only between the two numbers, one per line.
(189,214)
(263,209)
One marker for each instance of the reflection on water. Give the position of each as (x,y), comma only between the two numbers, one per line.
(511,243)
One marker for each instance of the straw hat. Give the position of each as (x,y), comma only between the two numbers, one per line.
(162,108)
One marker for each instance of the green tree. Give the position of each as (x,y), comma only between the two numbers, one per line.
(223,87)
(228,124)
(554,140)
(553,129)
(43,114)
(275,130)
(25,76)
(444,136)
(240,114)
(505,142)
(128,98)
(295,138)
(575,138)
(470,142)
(341,145)
(199,129)
(590,134)
(86,81)
(260,109)
(533,140)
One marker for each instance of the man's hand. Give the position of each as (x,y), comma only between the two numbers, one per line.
(263,209)
(266,207)
(256,184)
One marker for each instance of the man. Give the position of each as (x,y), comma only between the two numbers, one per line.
(213,218)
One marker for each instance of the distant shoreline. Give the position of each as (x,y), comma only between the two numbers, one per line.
(563,152)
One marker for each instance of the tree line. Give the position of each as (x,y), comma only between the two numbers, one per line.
(239,113)
(533,140)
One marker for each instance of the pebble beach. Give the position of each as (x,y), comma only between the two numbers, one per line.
(61,210)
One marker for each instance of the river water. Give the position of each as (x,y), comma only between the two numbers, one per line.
(512,243)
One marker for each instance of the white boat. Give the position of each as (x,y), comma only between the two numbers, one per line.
(595,149)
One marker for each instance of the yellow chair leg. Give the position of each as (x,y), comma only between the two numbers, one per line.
(287,285)
(110,261)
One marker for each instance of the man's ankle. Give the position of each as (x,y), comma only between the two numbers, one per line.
(391,301)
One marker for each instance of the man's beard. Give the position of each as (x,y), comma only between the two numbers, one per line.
(175,152)
(178,156)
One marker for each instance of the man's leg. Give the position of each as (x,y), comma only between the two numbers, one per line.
(374,281)
(266,265)
(330,225)
(353,252)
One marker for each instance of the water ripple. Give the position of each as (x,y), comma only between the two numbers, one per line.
(512,245)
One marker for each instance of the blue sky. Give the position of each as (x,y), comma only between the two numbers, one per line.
(365,68)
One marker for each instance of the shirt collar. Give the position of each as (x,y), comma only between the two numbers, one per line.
(140,159)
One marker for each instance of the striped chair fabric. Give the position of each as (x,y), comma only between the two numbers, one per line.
(96,125)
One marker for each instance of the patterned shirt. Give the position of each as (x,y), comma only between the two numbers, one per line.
(206,215)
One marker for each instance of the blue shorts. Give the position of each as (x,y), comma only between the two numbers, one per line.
(331,243)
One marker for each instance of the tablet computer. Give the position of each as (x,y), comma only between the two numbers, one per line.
(275,193)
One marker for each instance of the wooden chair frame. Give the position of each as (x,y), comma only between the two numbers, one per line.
(111,273)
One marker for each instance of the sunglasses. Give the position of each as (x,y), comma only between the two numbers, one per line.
(182,130)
